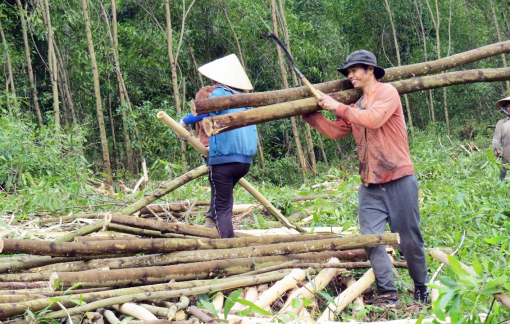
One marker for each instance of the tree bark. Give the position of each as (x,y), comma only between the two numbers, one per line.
(64,79)
(436,21)
(97,94)
(52,62)
(399,63)
(496,23)
(413,70)
(9,66)
(30,72)
(424,39)
(301,157)
(134,246)
(157,274)
(9,310)
(122,97)
(218,124)
(198,270)
(351,258)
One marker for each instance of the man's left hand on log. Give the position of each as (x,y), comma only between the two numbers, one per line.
(328,103)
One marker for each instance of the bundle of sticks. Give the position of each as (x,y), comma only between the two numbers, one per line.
(159,268)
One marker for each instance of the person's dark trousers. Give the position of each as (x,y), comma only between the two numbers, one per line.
(223,178)
(395,202)
(502,174)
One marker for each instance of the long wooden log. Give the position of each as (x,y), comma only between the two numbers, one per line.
(199,270)
(181,131)
(203,106)
(347,296)
(222,123)
(133,246)
(38,261)
(160,208)
(357,255)
(13,309)
(146,232)
(232,284)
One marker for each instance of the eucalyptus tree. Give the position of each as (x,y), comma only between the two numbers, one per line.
(33,88)
(97,94)
(10,76)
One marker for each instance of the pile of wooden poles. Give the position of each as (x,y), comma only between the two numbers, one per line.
(161,266)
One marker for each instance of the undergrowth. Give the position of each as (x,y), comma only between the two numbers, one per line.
(462,203)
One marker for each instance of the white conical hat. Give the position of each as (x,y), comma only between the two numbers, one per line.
(228,71)
(499,103)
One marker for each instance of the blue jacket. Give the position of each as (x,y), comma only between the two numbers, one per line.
(237,145)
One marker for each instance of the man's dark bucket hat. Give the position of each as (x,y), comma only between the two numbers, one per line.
(362,57)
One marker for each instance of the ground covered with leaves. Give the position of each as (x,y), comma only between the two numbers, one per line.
(463,207)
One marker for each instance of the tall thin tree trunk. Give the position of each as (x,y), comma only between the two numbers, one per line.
(261,152)
(496,23)
(51,62)
(33,88)
(436,21)
(238,44)
(173,66)
(120,82)
(97,93)
(192,54)
(65,82)
(301,158)
(112,128)
(425,55)
(397,50)
(308,131)
(9,66)
(324,156)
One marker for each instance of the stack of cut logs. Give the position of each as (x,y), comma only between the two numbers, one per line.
(156,273)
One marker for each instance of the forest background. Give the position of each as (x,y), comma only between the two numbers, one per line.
(64,121)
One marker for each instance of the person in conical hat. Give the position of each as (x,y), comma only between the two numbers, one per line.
(230,153)
(501,138)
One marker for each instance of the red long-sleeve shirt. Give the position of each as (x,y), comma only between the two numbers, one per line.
(379,131)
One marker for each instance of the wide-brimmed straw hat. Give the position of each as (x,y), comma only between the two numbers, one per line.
(362,57)
(228,71)
(500,103)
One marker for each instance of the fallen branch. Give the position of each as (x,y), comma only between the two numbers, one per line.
(347,296)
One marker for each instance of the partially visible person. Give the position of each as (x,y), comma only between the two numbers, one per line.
(389,190)
(501,138)
(230,153)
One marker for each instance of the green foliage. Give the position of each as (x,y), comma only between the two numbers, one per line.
(472,294)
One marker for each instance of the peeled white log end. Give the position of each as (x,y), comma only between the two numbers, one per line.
(218,300)
(53,281)
(135,311)
(180,315)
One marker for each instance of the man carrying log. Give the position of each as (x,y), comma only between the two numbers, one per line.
(501,139)
(230,153)
(390,190)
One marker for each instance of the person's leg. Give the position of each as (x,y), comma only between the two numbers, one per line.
(221,179)
(502,174)
(373,215)
(401,197)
